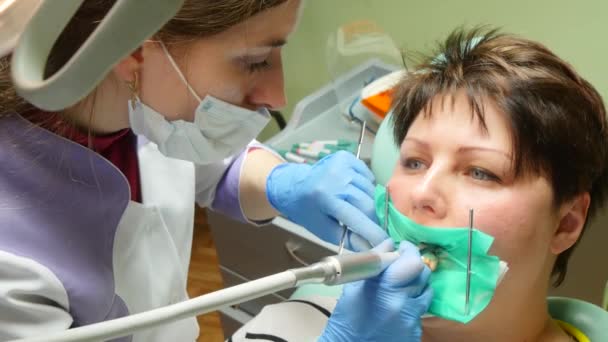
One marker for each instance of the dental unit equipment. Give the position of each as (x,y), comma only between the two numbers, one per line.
(345,229)
(332,270)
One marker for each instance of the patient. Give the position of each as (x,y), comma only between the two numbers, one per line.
(500,124)
(507,128)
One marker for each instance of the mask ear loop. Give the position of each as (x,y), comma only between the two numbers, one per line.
(179,72)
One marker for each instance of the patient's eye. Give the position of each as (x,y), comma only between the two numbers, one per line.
(413,164)
(483,175)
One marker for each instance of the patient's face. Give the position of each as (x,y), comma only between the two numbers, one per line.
(448,165)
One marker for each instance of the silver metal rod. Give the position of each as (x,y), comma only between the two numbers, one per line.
(361,136)
(360,143)
(343,238)
(469,252)
(386,200)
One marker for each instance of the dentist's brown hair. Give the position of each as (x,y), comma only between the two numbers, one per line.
(196,19)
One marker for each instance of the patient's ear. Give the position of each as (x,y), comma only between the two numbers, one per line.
(573,216)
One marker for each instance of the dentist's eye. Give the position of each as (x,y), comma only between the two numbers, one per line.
(255,67)
(483,175)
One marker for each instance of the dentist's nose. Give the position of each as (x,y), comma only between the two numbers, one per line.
(270,90)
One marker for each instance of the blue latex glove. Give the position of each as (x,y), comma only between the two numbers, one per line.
(339,187)
(384,308)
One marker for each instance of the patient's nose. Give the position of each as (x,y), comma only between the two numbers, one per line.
(428,198)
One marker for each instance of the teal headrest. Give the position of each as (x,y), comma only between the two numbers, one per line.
(590,319)
(385,152)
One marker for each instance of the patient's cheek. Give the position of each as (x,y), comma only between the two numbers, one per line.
(517,230)
(398,194)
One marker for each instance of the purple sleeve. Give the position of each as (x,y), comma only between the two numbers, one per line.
(226,198)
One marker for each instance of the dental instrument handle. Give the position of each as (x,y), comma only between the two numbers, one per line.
(196,306)
(332,270)
(344,228)
(358,266)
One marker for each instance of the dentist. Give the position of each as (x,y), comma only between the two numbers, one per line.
(97,201)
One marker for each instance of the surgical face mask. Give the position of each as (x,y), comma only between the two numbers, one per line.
(449,248)
(219,130)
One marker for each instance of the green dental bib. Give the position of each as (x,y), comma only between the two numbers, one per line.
(450,246)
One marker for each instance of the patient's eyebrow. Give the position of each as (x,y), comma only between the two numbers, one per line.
(466,149)
(417,141)
(461,149)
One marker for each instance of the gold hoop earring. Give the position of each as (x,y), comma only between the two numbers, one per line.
(134,88)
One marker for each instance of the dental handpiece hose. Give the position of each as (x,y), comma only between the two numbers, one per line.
(333,270)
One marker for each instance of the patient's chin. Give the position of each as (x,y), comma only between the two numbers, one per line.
(433,322)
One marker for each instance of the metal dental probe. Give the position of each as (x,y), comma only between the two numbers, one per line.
(468,289)
(386,198)
(361,135)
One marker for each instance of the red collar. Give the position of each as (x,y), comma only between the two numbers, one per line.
(58,125)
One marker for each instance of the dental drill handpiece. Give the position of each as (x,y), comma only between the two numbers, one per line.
(346,268)
(333,270)
(344,228)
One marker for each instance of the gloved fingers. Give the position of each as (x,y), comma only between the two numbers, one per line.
(356,220)
(425,298)
(415,288)
(406,269)
(361,201)
(363,184)
(362,169)
(347,158)
(408,247)
(357,243)
(418,306)
(385,246)
(328,230)
(280,184)
(389,290)
(359,166)
(332,232)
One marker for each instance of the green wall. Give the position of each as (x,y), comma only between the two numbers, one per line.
(575,30)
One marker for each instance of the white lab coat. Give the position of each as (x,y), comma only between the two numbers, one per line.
(153,242)
(150,259)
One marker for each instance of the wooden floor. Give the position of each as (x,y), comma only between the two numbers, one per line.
(204,276)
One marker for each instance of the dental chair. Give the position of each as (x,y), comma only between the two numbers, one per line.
(583,320)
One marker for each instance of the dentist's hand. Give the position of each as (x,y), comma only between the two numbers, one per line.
(385,308)
(337,188)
